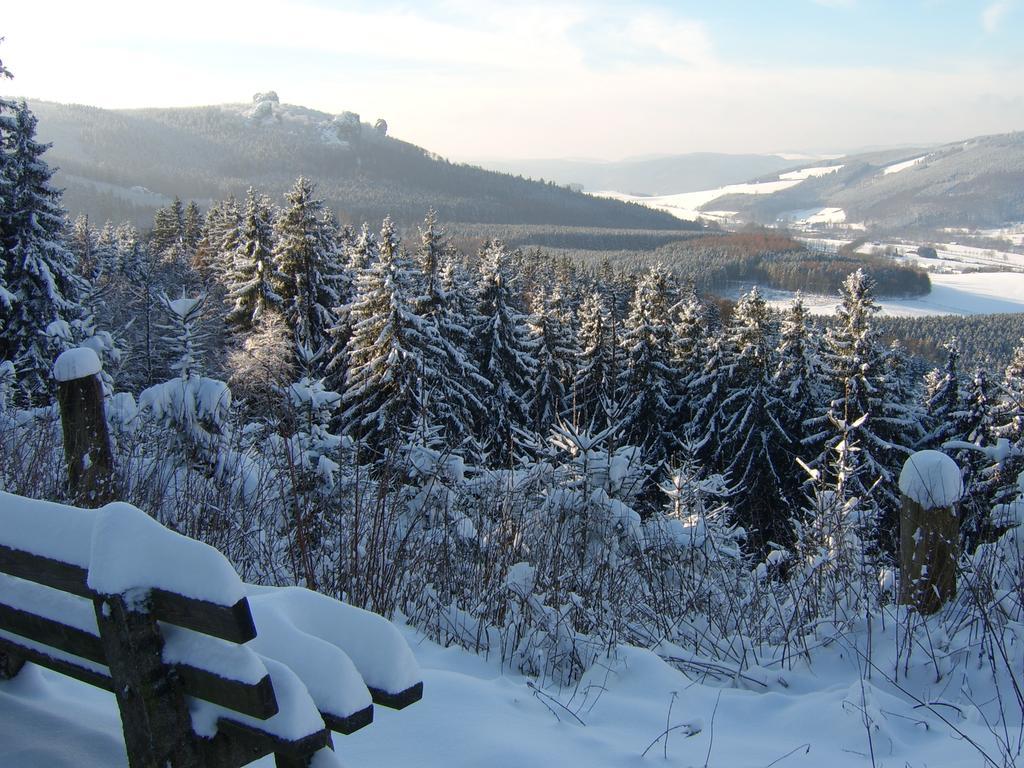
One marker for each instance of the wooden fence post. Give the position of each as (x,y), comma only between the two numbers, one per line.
(87,447)
(929,530)
(154,714)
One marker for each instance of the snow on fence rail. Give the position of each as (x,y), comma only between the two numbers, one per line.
(207,670)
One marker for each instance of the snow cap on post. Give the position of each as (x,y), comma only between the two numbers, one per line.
(76,363)
(932,480)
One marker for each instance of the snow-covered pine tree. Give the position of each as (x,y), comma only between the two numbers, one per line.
(647,381)
(166,240)
(453,392)
(387,353)
(867,407)
(801,385)
(755,452)
(252,274)
(1010,413)
(973,420)
(81,240)
(307,266)
(504,358)
(40,287)
(357,255)
(689,345)
(942,399)
(594,383)
(555,351)
(218,241)
(191,228)
(195,408)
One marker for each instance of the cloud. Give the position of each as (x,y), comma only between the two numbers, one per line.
(485,78)
(993,15)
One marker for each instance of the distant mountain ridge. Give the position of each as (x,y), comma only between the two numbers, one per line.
(122,164)
(976,183)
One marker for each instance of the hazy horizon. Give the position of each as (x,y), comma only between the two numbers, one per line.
(604,80)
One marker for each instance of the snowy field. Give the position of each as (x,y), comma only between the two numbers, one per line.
(475,715)
(687,205)
(970,293)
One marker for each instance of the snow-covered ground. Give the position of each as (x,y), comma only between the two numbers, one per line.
(686,205)
(809,173)
(971,293)
(897,167)
(473,714)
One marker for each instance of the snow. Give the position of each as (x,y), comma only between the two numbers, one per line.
(327,672)
(76,363)
(65,537)
(131,550)
(221,657)
(812,217)
(687,204)
(931,479)
(897,167)
(54,604)
(297,715)
(184,306)
(376,648)
(970,293)
(477,714)
(809,173)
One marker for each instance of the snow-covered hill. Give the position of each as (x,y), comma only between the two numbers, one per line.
(974,184)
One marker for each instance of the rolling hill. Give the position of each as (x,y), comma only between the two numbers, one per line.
(123,164)
(977,183)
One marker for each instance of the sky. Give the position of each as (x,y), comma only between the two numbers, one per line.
(604,79)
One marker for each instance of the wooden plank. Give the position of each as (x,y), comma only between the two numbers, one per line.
(254,700)
(11,663)
(71,640)
(267,743)
(46,571)
(399,700)
(85,674)
(350,724)
(232,622)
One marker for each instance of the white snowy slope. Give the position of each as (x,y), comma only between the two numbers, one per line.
(971,293)
(475,714)
(897,167)
(687,205)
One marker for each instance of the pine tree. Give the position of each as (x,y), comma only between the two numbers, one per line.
(504,358)
(357,255)
(647,382)
(800,377)
(942,400)
(252,276)
(594,383)
(307,266)
(166,240)
(387,353)
(191,228)
(756,453)
(40,296)
(453,403)
(554,349)
(218,241)
(867,407)
(688,352)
